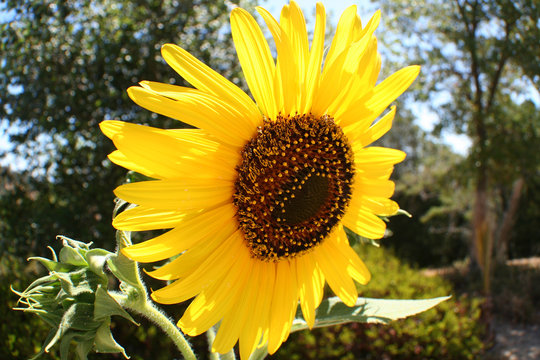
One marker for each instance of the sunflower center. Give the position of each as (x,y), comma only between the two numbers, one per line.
(293,185)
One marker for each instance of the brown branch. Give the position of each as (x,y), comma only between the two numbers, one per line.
(509,220)
(500,66)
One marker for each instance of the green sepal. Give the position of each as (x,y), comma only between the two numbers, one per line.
(83,341)
(82,348)
(77,282)
(72,256)
(53,265)
(96,259)
(403,212)
(333,311)
(106,306)
(104,341)
(121,266)
(62,328)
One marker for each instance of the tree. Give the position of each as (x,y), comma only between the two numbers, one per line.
(65,68)
(478,59)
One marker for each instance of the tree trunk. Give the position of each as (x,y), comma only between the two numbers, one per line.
(509,220)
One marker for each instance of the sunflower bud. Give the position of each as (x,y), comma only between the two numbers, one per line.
(73,299)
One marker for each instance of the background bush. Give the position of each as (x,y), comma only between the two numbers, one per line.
(452,330)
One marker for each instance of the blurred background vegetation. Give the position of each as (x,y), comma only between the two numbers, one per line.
(65,67)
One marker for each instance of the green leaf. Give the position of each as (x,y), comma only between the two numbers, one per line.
(122,267)
(104,341)
(106,306)
(333,312)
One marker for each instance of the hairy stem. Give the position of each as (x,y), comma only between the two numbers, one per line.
(146,308)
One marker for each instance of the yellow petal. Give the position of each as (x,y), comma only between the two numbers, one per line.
(256,60)
(142,218)
(377,155)
(315,58)
(206,79)
(374,187)
(121,159)
(233,323)
(200,110)
(284,304)
(355,267)
(256,325)
(364,223)
(212,269)
(357,67)
(171,153)
(309,287)
(361,78)
(373,133)
(366,110)
(190,231)
(194,256)
(334,267)
(177,194)
(212,304)
(376,205)
(286,85)
(296,31)
(344,34)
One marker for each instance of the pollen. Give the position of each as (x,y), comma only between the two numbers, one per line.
(301,170)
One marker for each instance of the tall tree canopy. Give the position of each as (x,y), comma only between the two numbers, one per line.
(481,66)
(65,67)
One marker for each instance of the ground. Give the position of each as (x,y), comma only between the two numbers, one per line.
(512,336)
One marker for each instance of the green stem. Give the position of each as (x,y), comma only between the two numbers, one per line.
(211,335)
(229,355)
(148,310)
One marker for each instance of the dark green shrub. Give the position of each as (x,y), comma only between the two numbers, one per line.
(450,331)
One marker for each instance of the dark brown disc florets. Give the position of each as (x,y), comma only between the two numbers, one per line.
(293,186)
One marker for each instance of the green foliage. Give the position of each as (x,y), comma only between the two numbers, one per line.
(66,67)
(433,186)
(73,300)
(16,325)
(452,330)
(479,75)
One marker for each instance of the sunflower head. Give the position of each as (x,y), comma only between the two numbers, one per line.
(293,185)
(257,196)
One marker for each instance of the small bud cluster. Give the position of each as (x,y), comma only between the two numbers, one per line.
(73,299)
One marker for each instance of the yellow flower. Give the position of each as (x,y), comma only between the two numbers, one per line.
(258,196)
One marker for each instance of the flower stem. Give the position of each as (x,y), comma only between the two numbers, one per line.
(211,335)
(145,308)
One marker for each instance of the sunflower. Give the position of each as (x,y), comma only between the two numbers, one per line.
(257,196)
